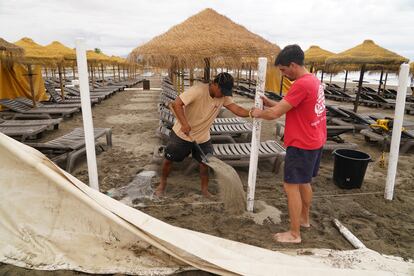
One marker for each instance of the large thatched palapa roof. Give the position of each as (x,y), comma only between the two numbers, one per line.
(94,57)
(370,54)
(315,55)
(7,47)
(37,54)
(58,48)
(412,67)
(207,34)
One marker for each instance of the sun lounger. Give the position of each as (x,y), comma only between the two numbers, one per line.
(238,154)
(70,146)
(57,98)
(22,133)
(334,141)
(49,123)
(407,139)
(24,109)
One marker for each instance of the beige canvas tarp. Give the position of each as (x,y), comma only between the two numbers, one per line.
(50,220)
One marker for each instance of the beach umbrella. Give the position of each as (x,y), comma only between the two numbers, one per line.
(203,40)
(96,59)
(315,58)
(36,54)
(368,56)
(9,50)
(69,57)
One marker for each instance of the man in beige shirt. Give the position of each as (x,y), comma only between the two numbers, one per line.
(196,110)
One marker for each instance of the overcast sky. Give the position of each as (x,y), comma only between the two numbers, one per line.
(119,26)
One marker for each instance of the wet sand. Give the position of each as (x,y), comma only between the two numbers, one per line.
(384,226)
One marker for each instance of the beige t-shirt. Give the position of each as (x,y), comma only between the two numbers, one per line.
(200,110)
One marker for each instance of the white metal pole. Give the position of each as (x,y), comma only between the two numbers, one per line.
(87,113)
(257,126)
(396,131)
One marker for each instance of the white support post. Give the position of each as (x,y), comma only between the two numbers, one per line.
(87,113)
(257,125)
(396,131)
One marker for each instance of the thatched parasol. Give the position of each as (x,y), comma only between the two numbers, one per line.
(412,67)
(36,54)
(69,56)
(368,56)
(202,40)
(7,48)
(315,57)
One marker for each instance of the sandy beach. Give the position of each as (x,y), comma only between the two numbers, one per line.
(384,226)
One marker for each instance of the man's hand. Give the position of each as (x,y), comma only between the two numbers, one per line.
(256,112)
(186,129)
(267,102)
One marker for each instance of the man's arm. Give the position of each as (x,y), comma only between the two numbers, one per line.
(273,112)
(178,108)
(238,110)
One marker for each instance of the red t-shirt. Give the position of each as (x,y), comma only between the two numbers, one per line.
(305,125)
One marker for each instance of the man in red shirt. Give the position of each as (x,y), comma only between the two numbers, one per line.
(304,137)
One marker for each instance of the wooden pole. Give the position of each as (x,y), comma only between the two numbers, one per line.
(123,72)
(119,73)
(113,71)
(322,77)
(30,74)
(361,78)
(64,73)
(87,114)
(380,82)
(191,76)
(103,73)
(73,72)
(396,130)
(281,86)
(250,75)
(385,81)
(207,70)
(62,91)
(46,72)
(93,76)
(330,79)
(257,126)
(346,78)
(238,78)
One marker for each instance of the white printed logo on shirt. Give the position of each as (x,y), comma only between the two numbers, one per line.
(320,102)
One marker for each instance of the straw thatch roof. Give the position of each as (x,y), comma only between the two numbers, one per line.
(316,56)
(37,54)
(205,35)
(58,48)
(10,48)
(412,67)
(117,60)
(370,54)
(94,57)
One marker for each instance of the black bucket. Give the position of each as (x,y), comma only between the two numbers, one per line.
(349,168)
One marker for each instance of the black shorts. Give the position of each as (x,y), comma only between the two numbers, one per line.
(301,165)
(177,149)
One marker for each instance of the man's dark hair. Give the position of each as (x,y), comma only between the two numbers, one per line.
(225,81)
(291,53)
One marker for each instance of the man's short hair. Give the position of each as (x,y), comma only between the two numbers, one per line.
(289,54)
(225,81)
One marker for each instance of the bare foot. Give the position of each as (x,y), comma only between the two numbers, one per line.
(304,223)
(159,191)
(206,194)
(287,237)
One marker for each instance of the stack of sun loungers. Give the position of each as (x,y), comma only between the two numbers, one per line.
(27,123)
